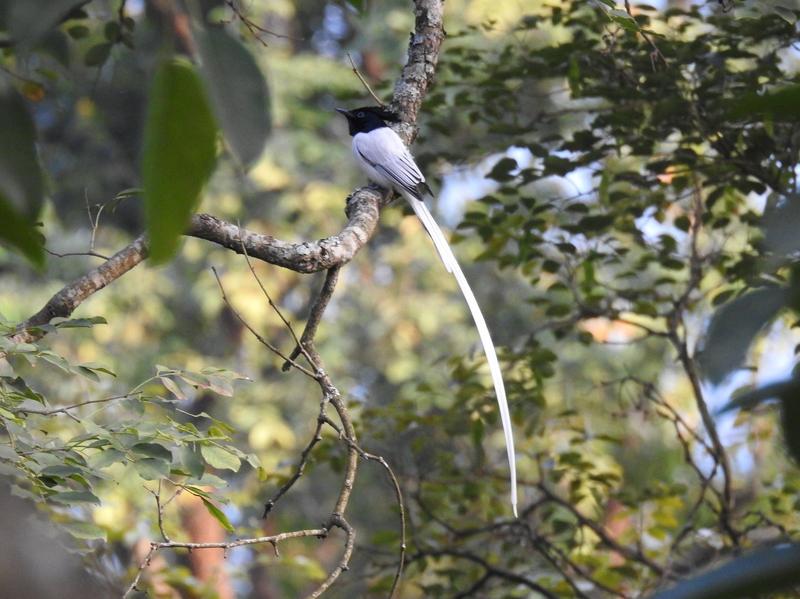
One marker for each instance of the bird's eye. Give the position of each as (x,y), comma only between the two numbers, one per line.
(360,115)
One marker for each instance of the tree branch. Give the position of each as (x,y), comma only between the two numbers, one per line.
(71,296)
(315,315)
(363,205)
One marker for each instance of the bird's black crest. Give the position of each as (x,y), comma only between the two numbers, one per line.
(383,113)
(368,118)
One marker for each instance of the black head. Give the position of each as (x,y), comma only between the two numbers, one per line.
(368,118)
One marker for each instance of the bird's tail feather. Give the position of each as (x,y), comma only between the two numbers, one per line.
(439,241)
(452,266)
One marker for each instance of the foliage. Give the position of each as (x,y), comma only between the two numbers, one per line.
(141,433)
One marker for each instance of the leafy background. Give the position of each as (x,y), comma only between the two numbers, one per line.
(622,181)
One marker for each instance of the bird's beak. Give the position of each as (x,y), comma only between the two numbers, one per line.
(344,112)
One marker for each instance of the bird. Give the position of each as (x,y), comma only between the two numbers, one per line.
(385,159)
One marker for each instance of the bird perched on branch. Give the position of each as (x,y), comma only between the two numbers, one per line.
(385,159)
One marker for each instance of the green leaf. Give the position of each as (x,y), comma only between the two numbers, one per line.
(733,328)
(30,20)
(755,574)
(245,115)
(84,530)
(190,461)
(152,468)
(72,323)
(17,232)
(196,491)
(70,497)
(502,170)
(218,514)
(61,470)
(77,32)
(219,458)
(622,18)
(97,55)
(179,154)
(783,104)
(21,186)
(751,398)
(103,459)
(172,387)
(787,14)
(152,450)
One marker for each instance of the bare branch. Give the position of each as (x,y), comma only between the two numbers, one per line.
(635,555)
(299,348)
(489,569)
(349,544)
(90,253)
(254,28)
(314,317)
(256,334)
(301,466)
(272,539)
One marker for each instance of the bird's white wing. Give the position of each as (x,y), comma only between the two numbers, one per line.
(385,158)
(382,152)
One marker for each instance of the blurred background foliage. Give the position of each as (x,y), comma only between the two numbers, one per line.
(623,179)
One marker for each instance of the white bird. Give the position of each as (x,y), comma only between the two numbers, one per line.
(385,159)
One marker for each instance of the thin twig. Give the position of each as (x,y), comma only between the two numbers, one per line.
(299,470)
(632,554)
(343,565)
(398,496)
(656,53)
(93,254)
(66,409)
(320,533)
(677,337)
(398,493)
(254,28)
(489,569)
(276,309)
(255,333)
(160,512)
(364,81)
(315,315)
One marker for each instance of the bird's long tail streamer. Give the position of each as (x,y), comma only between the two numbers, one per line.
(452,266)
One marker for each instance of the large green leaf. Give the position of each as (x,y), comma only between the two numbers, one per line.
(21,187)
(84,530)
(751,575)
(783,104)
(20,174)
(218,514)
(179,154)
(219,458)
(238,92)
(30,20)
(733,328)
(19,233)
